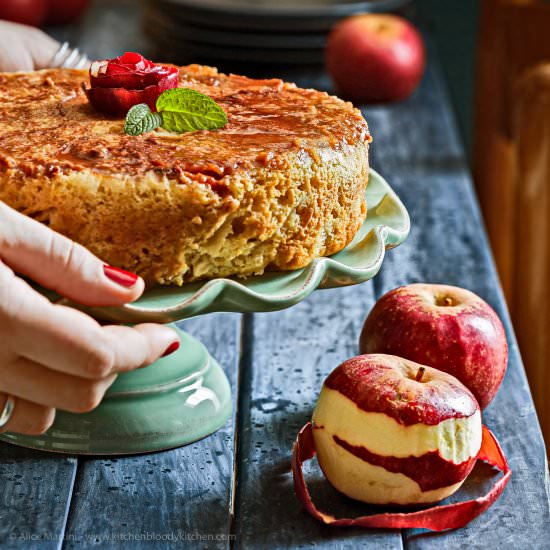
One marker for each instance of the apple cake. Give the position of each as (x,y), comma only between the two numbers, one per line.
(281,184)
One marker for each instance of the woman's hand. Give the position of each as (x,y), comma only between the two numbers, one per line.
(24,48)
(53,356)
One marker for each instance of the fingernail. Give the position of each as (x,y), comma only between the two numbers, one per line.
(171,348)
(120,276)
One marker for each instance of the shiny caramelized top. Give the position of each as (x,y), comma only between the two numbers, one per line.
(47,127)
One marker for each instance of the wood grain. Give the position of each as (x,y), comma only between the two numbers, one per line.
(510,41)
(200,489)
(493,151)
(531,284)
(35,492)
(448,245)
(512,169)
(292,352)
(173,496)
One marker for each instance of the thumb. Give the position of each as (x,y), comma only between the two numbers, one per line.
(57,263)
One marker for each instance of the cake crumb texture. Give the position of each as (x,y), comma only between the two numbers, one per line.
(281,184)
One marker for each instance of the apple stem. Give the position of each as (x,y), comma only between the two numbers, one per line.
(444,301)
(420,374)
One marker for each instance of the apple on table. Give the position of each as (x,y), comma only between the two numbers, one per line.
(445,327)
(375,58)
(61,12)
(38,12)
(391,431)
(26,12)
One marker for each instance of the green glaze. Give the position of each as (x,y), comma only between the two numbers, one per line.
(186,396)
(175,401)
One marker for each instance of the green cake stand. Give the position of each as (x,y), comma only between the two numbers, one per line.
(186,396)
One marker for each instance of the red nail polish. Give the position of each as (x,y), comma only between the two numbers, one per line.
(120,276)
(171,348)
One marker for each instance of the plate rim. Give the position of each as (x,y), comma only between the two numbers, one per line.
(313,10)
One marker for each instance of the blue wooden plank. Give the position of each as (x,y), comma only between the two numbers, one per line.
(36,487)
(176,499)
(182,495)
(35,493)
(289,355)
(417,149)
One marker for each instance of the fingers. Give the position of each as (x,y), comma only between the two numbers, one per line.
(33,382)
(40,390)
(60,264)
(52,335)
(25,48)
(28,418)
(14,55)
(41,46)
(138,346)
(69,341)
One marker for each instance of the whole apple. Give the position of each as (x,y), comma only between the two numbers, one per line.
(27,12)
(446,327)
(375,58)
(391,431)
(61,12)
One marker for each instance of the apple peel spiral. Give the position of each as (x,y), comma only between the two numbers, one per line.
(389,431)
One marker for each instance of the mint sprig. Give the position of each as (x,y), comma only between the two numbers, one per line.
(179,110)
(140,120)
(186,110)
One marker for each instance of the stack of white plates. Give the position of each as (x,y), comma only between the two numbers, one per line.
(255,32)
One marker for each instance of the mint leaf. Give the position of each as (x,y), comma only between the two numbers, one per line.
(186,110)
(179,110)
(140,119)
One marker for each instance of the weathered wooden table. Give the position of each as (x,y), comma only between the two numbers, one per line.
(234,489)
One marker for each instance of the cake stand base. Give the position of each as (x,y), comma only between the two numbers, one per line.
(175,401)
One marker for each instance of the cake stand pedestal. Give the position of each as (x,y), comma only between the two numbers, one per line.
(186,396)
(177,400)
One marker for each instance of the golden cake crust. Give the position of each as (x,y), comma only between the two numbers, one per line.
(282,183)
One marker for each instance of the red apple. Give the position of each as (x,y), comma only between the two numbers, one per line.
(27,12)
(391,431)
(61,12)
(442,326)
(375,58)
